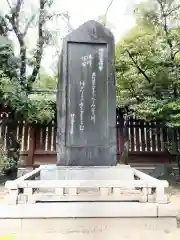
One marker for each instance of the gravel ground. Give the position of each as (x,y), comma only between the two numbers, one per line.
(174,192)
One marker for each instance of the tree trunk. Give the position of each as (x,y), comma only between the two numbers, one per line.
(13,148)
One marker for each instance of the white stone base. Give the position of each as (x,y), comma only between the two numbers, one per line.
(87,210)
(93,219)
(94,227)
(134,234)
(87,219)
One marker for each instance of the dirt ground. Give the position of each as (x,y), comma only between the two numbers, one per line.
(174,193)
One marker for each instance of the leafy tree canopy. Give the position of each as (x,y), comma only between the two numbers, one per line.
(148,63)
(19,74)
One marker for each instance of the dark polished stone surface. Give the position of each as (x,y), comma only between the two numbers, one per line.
(86,99)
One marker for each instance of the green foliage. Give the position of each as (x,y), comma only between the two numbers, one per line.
(8,62)
(9,164)
(46,82)
(19,75)
(43,108)
(6,163)
(148,64)
(33,109)
(13,93)
(16,82)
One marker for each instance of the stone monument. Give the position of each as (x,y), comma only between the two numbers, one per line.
(89,194)
(86,99)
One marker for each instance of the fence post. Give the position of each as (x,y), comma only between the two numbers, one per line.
(119,134)
(30,159)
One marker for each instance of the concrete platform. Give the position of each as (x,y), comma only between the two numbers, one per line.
(94,227)
(87,210)
(134,234)
(86,218)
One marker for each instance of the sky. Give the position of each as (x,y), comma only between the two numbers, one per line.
(119,14)
(120,19)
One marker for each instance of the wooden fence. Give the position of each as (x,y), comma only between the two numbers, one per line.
(38,142)
(146,142)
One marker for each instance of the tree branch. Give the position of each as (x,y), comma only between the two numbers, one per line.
(9,4)
(28,24)
(144,74)
(65,17)
(18,6)
(176,52)
(164,17)
(105,15)
(15,12)
(133,92)
(3,27)
(14,21)
(40,44)
(172,10)
(169,42)
(138,67)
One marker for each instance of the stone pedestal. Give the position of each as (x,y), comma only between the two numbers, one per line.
(87,219)
(120,172)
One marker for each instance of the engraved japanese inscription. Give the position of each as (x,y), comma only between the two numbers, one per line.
(87,93)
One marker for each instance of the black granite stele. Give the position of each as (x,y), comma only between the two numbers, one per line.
(86,98)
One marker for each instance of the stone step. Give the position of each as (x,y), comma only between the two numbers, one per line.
(87,219)
(86,210)
(135,234)
(85,228)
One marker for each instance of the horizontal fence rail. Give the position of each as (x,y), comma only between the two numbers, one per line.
(145,137)
(38,142)
(44,136)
